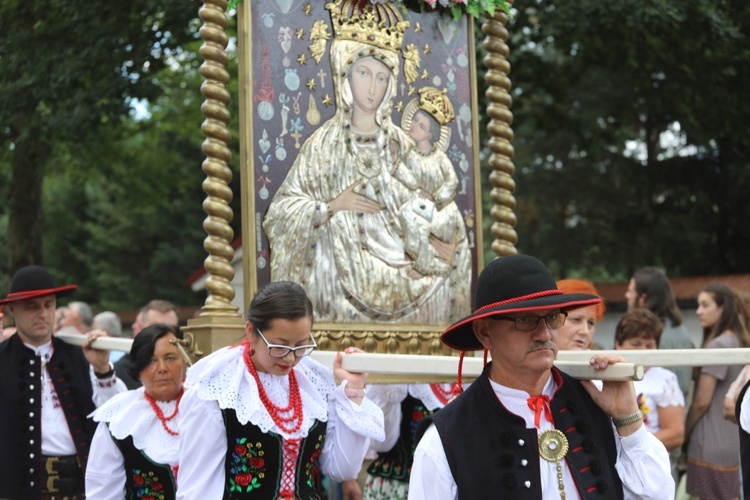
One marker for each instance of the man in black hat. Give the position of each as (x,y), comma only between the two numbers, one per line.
(524,429)
(47,389)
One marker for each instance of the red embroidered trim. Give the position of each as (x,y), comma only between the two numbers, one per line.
(295,400)
(291,452)
(519,299)
(160,414)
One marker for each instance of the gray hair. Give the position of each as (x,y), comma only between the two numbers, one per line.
(83,310)
(109,322)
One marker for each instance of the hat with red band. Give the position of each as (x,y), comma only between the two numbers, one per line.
(512,284)
(34,281)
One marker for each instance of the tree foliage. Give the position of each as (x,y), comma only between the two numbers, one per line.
(69,68)
(631,135)
(631,140)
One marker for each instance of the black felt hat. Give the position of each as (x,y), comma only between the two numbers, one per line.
(34,281)
(515,283)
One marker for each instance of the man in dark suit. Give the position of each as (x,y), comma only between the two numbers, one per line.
(47,389)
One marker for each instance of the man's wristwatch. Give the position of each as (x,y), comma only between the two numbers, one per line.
(628,419)
(106,374)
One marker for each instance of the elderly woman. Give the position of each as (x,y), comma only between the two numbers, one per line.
(577,334)
(135,448)
(659,395)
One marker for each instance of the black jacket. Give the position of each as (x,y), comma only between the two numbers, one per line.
(492,454)
(21,411)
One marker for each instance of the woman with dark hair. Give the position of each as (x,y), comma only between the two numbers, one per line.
(713,448)
(650,288)
(135,449)
(263,420)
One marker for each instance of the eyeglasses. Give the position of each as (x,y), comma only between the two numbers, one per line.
(529,323)
(280,351)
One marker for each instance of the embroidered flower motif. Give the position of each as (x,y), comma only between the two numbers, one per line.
(417,415)
(312,468)
(246,466)
(147,485)
(243,478)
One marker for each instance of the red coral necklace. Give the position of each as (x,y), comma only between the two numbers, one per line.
(160,414)
(277,412)
(444,396)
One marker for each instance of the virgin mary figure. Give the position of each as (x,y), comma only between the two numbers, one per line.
(333,225)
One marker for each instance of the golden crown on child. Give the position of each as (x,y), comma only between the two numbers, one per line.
(381,25)
(436,103)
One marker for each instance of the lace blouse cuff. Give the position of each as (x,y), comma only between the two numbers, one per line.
(365,419)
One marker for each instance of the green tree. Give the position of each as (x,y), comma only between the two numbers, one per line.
(631,137)
(68,69)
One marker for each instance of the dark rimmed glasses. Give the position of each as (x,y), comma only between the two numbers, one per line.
(529,323)
(280,351)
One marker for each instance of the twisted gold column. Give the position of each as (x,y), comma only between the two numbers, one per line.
(219,323)
(216,165)
(501,134)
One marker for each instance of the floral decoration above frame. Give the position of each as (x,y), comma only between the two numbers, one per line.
(457,8)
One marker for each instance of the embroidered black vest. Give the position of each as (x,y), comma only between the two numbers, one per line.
(492,454)
(396,462)
(744,446)
(254,461)
(144,478)
(21,413)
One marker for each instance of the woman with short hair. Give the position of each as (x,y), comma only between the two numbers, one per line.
(135,449)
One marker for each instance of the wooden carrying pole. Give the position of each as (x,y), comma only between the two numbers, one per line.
(667,358)
(403,368)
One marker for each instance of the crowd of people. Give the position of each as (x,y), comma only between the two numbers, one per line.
(261,419)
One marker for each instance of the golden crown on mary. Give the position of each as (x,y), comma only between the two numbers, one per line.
(381,25)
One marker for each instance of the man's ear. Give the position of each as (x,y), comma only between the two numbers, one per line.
(481,330)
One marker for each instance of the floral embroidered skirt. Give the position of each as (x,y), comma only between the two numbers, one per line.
(380,488)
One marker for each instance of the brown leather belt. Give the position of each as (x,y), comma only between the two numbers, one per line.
(62,478)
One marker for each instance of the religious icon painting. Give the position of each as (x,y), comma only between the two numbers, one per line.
(371,106)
